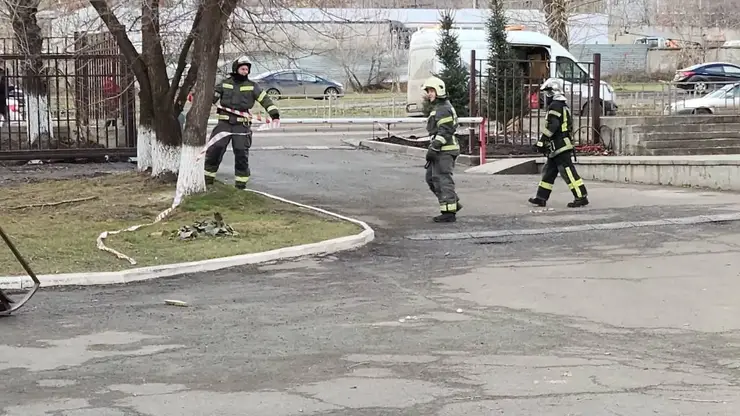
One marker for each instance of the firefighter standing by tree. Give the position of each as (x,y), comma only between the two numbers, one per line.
(236,92)
(443,149)
(555,143)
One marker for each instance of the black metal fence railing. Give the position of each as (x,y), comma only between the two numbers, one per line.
(506,94)
(67,104)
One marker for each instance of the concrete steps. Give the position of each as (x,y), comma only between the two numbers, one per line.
(686,128)
(692,151)
(687,135)
(692,143)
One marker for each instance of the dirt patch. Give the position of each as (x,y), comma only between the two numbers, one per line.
(13,172)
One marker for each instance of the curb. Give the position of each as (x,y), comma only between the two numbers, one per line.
(154,272)
(377,146)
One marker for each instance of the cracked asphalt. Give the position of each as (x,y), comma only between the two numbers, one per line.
(623,322)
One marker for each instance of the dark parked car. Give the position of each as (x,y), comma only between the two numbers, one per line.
(298,83)
(702,78)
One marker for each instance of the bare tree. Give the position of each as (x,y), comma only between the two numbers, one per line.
(363,48)
(557,13)
(209,33)
(29,40)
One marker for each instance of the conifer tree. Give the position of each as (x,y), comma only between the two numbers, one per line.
(454,73)
(505,80)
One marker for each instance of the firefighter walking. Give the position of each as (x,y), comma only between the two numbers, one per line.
(443,150)
(556,144)
(236,92)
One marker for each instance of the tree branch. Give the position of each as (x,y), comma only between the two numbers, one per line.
(118,30)
(182,62)
(152,46)
(187,85)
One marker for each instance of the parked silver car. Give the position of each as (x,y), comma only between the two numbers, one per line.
(725,100)
(295,83)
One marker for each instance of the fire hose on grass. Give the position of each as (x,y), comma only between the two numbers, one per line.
(268,124)
(177,200)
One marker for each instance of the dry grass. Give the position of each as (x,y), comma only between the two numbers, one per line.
(61,238)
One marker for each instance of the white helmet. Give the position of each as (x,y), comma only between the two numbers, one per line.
(553,88)
(437,85)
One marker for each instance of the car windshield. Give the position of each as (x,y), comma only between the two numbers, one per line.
(722,92)
(263,75)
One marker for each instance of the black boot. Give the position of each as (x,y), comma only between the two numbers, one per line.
(445,217)
(578,202)
(240,185)
(538,201)
(210,180)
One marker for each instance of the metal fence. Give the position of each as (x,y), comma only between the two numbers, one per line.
(506,94)
(76,99)
(680,98)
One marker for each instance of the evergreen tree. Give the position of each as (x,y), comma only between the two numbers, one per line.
(454,73)
(505,85)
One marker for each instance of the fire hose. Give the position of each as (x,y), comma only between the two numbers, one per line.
(8,305)
(177,200)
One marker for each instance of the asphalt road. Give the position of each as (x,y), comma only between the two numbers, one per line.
(623,322)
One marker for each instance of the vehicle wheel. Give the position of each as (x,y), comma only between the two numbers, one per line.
(273,93)
(700,87)
(586,110)
(331,93)
(702,111)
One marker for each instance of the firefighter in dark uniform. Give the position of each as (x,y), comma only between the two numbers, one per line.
(236,92)
(443,150)
(556,144)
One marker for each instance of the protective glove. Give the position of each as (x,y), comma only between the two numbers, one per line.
(541,147)
(275,123)
(432,155)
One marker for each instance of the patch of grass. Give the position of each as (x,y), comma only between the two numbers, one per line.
(640,87)
(62,238)
(382,104)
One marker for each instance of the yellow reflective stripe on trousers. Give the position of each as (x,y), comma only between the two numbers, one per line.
(448,207)
(573,183)
(246,88)
(445,120)
(244,179)
(262,96)
(228,86)
(211,174)
(545,185)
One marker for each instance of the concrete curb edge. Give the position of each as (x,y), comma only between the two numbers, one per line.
(417,152)
(154,272)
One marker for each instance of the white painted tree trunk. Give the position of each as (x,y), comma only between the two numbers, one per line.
(191,179)
(144,140)
(38,119)
(165,159)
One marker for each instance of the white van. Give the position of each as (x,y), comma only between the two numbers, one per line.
(423,63)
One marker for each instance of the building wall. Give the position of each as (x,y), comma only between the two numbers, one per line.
(615,59)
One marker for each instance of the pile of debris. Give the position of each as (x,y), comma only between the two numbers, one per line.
(215,227)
